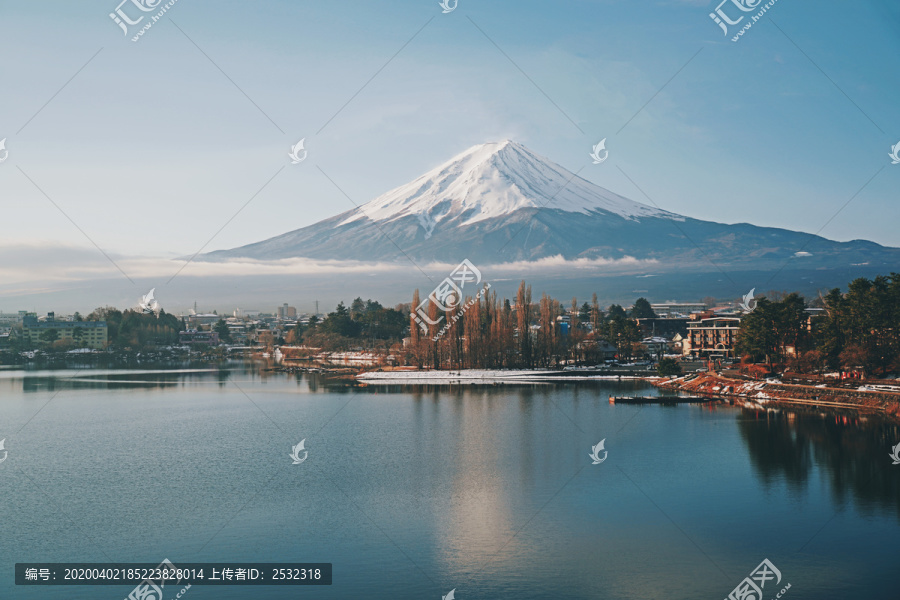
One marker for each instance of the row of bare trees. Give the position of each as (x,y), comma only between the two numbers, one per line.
(490,333)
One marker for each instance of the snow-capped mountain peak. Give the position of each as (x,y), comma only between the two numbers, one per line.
(483,205)
(494,180)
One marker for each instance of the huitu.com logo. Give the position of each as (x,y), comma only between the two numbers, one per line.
(4,153)
(5,453)
(723,20)
(165,573)
(148,303)
(296,450)
(895,153)
(448,296)
(298,152)
(895,453)
(449,5)
(600,147)
(748,298)
(123,20)
(751,588)
(595,452)
(451,595)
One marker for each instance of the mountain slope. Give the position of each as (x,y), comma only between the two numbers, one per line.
(491,181)
(500,202)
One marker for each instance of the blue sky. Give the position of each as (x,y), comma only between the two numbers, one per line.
(150,149)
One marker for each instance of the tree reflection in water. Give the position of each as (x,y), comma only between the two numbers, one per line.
(851,449)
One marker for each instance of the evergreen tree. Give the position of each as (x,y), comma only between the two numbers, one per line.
(224,333)
(642,310)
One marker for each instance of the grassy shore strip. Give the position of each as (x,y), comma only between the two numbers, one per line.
(764,392)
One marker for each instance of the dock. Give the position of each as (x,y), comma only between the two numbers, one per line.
(658,399)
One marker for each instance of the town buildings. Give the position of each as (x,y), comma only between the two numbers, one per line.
(667,327)
(711,336)
(657,346)
(285,312)
(193,336)
(85,334)
(195,319)
(677,309)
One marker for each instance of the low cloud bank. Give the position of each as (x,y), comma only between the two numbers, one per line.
(47,264)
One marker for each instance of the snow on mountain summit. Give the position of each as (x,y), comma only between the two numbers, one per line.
(476,205)
(494,180)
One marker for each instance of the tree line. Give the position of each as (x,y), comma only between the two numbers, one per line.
(492,333)
(364,323)
(131,328)
(485,335)
(859,330)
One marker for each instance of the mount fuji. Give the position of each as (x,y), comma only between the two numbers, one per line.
(500,202)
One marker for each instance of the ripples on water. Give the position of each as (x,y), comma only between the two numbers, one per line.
(415,490)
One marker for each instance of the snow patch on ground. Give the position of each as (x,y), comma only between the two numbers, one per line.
(475,375)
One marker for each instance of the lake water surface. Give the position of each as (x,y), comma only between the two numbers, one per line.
(411,491)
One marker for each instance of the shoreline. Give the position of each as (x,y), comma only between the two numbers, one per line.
(775,393)
(494,375)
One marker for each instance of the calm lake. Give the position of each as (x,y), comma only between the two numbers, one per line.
(413,491)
